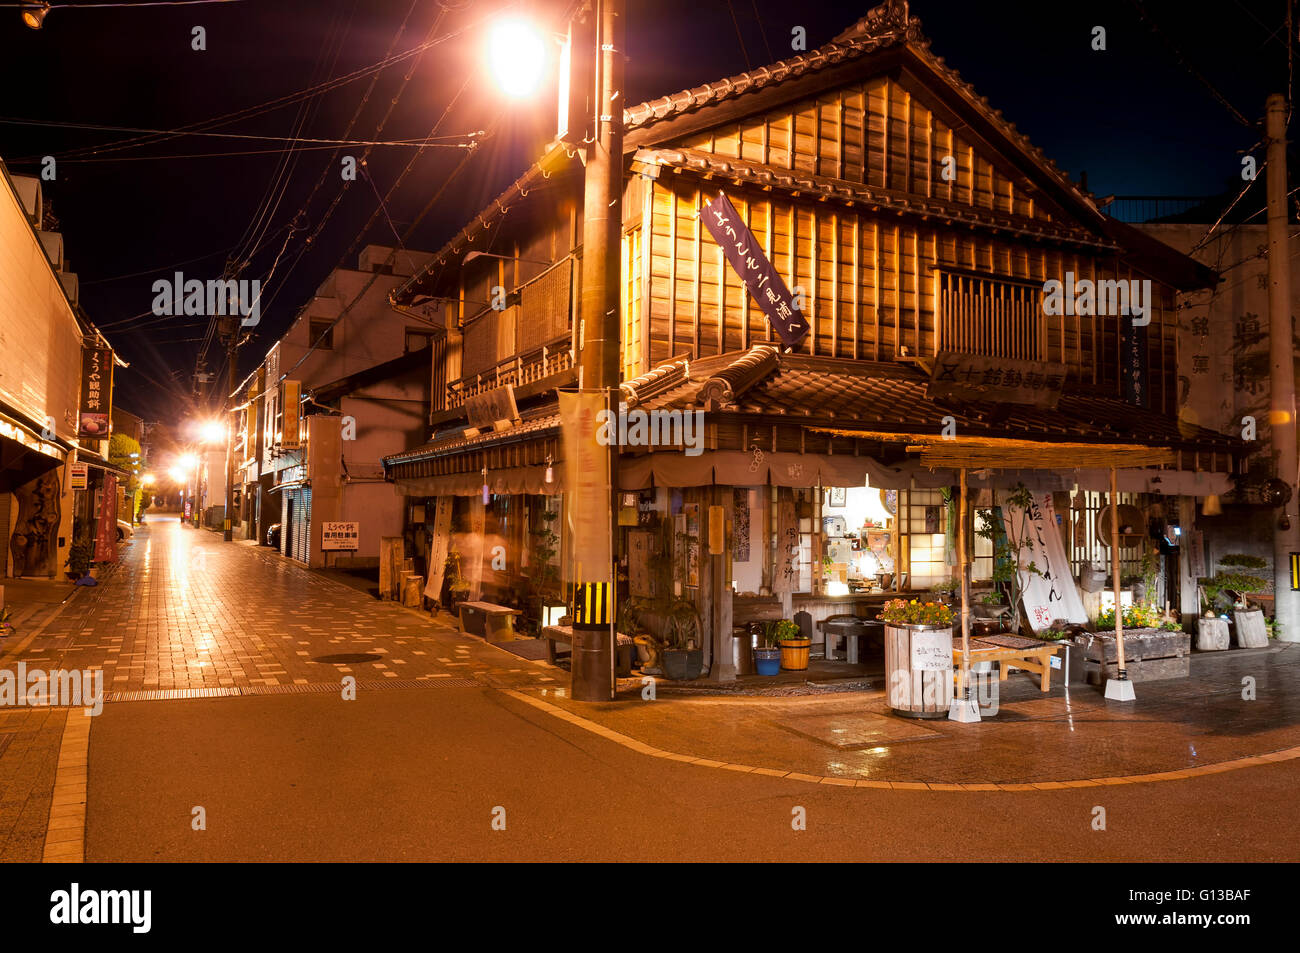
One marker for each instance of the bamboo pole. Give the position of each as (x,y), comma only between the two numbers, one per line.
(1114,562)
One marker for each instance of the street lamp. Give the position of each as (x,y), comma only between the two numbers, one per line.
(213,431)
(516,57)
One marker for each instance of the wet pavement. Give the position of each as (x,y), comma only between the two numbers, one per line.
(224,664)
(1175,725)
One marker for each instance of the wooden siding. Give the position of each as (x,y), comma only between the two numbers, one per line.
(870,285)
(879,134)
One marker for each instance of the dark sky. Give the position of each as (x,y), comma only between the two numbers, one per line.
(1136,117)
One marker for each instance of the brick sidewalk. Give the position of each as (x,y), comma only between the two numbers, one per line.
(184,610)
(1034,737)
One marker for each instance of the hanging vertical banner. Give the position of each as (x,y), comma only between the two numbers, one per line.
(1133,363)
(96,392)
(106,532)
(1052,594)
(438,548)
(749,261)
(785,568)
(475,548)
(586,490)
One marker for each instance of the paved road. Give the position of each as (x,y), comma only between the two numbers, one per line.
(417,766)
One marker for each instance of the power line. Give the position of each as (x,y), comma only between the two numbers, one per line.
(288,140)
(287,99)
(1182,60)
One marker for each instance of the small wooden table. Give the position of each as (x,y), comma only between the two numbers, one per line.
(1015,651)
(493,622)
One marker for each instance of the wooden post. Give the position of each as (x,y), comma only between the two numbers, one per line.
(1120,688)
(963,708)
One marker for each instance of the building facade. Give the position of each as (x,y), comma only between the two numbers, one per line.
(347,383)
(940,262)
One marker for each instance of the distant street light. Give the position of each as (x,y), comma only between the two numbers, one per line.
(148,479)
(517,57)
(177,475)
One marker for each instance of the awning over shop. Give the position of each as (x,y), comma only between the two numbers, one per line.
(513,480)
(24,454)
(95,461)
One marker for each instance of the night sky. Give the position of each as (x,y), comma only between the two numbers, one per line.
(1138,118)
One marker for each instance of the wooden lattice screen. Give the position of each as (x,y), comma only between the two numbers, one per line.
(992,316)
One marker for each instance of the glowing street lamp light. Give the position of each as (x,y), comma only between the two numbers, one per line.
(516,57)
(148,479)
(213,431)
(177,475)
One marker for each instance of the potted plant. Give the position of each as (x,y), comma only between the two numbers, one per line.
(918,657)
(945,591)
(1009,540)
(80,555)
(457,585)
(794,645)
(767,657)
(1231,588)
(683,660)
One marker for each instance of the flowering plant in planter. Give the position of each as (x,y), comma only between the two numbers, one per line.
(914,612)
(1140,616)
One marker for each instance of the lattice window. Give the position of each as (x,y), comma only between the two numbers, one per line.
(997,317)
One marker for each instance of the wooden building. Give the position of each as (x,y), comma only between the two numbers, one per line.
(911,221)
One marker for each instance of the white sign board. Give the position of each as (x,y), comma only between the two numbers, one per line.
(340,536)
(932,651)
(1051,595)
(80,472)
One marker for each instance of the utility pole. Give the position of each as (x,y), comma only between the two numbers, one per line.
(227,406)
(1281,357)
(598,327)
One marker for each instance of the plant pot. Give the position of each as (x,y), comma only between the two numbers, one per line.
(683,665)
(1092,580)
(794,654)
(918,665)
(767,661)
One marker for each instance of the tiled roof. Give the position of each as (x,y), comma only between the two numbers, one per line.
(744,171)
(544,421)
(884,397)
(887,25)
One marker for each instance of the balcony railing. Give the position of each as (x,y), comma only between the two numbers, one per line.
(552,358)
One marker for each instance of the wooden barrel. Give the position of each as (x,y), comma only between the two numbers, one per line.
(794,654)
(918,666)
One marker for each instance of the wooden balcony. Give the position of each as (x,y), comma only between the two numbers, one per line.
(526,368)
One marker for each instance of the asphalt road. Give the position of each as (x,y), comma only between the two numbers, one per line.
(419,775)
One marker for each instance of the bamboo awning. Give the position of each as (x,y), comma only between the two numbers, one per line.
(978,453)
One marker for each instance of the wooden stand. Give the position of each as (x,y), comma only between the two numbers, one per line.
(1211,634)
(1252,633)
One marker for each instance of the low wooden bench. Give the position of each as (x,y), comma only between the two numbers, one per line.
(1012,651)
(557,633)
(490,621)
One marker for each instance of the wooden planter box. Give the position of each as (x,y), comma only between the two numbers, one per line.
(1149,655)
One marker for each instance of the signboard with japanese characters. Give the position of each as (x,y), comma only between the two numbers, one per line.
(750,262)
(340,536)
(932,651)
(996,379)
(1133,363)
(1050,594)
(96,392)
(80,475)
(484,410)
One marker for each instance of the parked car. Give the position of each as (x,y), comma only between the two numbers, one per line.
(124,530)
(273,535)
